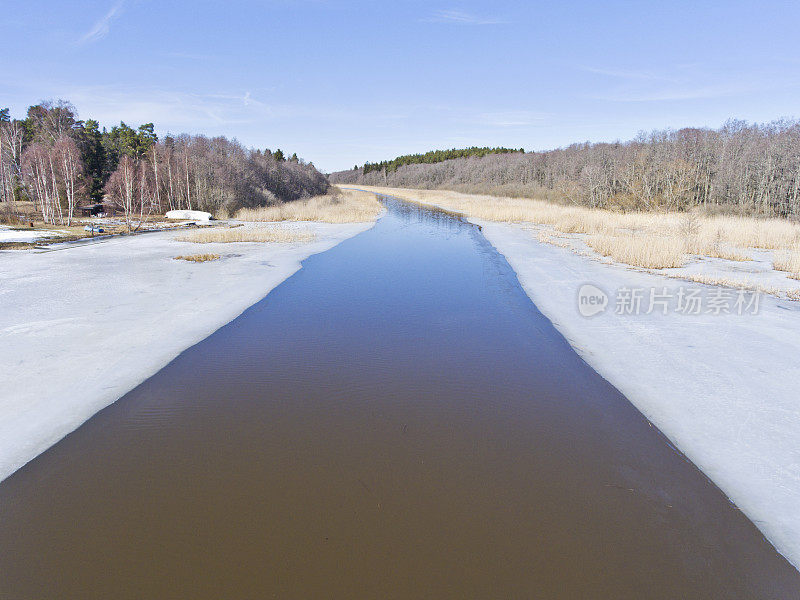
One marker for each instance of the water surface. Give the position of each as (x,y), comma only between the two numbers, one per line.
(396,420)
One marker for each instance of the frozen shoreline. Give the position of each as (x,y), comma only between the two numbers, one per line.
(83,325)
(724,388)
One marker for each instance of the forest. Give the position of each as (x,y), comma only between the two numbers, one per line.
(739,168)
(433,156)
(59,162)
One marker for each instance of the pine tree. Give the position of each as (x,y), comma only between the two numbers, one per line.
(90,141)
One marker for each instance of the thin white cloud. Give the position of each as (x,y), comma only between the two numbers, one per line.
(188,55)
(678,93)
(511,118)
(173,110)
(628,74)
(685,82)
(462,18)
(102,26)
(176,111)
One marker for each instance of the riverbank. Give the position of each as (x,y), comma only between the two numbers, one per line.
(722,387)
(81,325)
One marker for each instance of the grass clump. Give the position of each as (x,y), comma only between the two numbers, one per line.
(726,254)
(789,261)
(246,234)
(198,258)
(340,206)
(649,253)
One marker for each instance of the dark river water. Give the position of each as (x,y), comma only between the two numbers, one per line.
(396,420)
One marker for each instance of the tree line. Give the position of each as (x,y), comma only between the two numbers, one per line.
(58,161)
(740,167)
(434,156)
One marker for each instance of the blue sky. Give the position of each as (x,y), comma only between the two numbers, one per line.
(341,82)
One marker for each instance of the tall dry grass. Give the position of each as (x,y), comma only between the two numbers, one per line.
(789,261)
(340,206)
(639,251)
(246,234)
(198,258)
(654,239)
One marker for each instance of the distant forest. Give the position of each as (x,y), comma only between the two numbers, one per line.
(434,156)
(58,161)
(740,167)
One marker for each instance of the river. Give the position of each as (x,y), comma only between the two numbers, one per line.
(396,420)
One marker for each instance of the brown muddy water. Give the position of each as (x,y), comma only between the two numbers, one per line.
(396,420)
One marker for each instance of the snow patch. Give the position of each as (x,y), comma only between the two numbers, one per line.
(189,215)
(24,235)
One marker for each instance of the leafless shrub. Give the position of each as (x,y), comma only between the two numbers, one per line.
(8,215)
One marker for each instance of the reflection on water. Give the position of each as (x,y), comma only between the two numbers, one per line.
(397,420)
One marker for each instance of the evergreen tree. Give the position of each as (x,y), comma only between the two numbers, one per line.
(90,142)
(146,138)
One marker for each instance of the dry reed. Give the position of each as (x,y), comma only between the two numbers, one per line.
(341,206)
(198,258)
(646,252)
(655,239)
(247,234)
(788,260)
(708,230)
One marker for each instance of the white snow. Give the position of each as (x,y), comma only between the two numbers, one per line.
(724,388)
(24,235)
(189,215)
(80,326)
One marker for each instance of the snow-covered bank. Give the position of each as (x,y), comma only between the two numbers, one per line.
(725,388)
(8,234)
(82,325)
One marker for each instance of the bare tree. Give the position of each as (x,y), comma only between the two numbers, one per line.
(70,168)
(39,175)
(121,188)
(739,167)
(11,139)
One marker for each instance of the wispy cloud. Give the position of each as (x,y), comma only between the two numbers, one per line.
(674,83)
(189,55)
(177,110)
(511,118)
(103,25)
(678,93)
(628,74)
(169,109)
(462,18)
